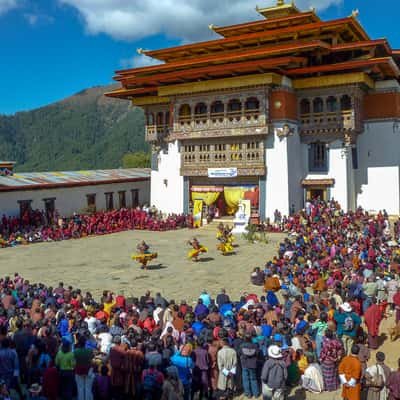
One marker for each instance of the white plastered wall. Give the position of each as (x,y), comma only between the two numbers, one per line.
(296,170)
(167,182)
(283,161)
(73,199)
(340,169)
(377,179)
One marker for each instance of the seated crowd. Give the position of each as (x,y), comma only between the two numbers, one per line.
(313,325)
(37,226)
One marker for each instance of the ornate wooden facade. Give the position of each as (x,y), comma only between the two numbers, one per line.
(247,99)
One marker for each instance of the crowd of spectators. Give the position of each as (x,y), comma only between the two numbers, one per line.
(310,325)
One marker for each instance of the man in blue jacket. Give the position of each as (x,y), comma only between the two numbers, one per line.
(347,323)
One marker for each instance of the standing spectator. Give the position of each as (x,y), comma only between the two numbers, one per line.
(248,354)
(118,363)
(152,381)
(347,325)
(65,362)
(172,388)
(394,383)
(350,372)
(102,385)
(83,370)
(183,362)
(373,318)
(201,370)
(227,363)
(331,354)
(274,375)
(376,379)
(9,367)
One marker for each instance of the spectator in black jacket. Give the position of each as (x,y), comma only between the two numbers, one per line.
(248,354)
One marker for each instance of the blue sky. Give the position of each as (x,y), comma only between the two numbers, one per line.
(51,49)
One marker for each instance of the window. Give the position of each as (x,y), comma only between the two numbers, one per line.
(217,107)
(201,108)
(305,106)
(24,207)
(252,104)
(160,118)
(122,199)
(318,157)
(135,197)
(49,207)
(91,202)
(234,105)
(109,201)
(150,119)
(184,111)
(331,104)
(345,103)
(354,157)
(318,105)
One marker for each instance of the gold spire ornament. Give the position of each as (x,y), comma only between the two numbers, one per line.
(280,3)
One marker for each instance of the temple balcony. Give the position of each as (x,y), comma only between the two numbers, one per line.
(247,157)
(330,121)
(155,133)
(220,124)
(330,115)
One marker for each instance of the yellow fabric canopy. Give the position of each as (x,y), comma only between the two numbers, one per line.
(232,197)
(209,198)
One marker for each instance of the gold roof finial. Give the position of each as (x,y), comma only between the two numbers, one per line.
(280,3)
(355,13)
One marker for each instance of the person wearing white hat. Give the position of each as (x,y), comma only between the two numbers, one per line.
(347,323)
(274,375)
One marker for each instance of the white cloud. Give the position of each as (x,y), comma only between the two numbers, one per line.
(180,19)
(6,5)
(138,61)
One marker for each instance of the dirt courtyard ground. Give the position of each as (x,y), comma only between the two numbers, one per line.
(103,262)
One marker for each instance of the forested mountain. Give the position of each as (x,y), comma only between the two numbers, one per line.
(84,131)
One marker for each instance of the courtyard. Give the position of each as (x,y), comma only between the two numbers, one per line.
(103,262)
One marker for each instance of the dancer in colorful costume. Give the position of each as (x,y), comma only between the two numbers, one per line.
(225,238)
(197,249)
(144,254)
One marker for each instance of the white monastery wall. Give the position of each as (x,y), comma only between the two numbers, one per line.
(377,180)
(73,199)
(296,170)
(277,182)
(338,170)
(167,183)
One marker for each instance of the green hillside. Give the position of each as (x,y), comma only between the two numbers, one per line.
(84,131)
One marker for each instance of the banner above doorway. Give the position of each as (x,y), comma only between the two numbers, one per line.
(222,172)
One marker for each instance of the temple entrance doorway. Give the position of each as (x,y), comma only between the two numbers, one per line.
(314,193)
(221,199)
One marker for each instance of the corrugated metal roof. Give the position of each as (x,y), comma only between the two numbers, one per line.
(43,179)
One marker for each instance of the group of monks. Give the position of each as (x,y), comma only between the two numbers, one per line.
(33,226)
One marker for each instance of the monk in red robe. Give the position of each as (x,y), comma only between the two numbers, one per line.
(373,318)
